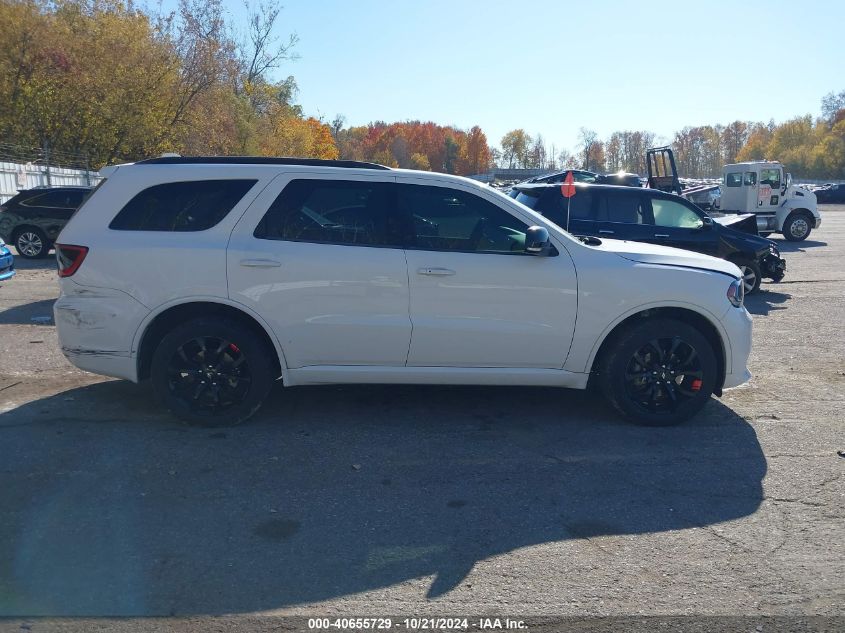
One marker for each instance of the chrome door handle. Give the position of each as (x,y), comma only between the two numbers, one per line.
(441,272)
(604,232)
(260,263)
(661,235)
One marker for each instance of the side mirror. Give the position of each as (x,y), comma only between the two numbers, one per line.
(706,222)
(537,241)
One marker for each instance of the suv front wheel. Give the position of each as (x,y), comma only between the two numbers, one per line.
(212,371)
(659,372)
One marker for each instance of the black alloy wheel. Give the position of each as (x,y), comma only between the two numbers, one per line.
(212,372)
(659,372)
(663,374)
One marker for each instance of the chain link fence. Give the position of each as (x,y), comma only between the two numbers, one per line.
(28,167)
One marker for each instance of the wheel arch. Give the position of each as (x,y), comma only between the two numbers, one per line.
(162,320)
(703,323)
(797,211)
(23,226)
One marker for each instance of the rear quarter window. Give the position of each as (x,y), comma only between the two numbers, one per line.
(194,205)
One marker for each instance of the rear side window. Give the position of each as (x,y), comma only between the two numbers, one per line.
(346,212)
(55,200)
(554,206)
(529,198)
(734,179)
(181,206)
(620,207)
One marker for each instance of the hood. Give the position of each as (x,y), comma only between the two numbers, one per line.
(728,220)
(665,256)
(744,240)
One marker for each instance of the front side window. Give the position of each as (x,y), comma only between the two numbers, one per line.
(770,177)
(673,214)
(345,212)
(181,206)
(451,220)
(734,179)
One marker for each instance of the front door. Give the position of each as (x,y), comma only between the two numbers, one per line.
(680,225)
(768,189)
(477,299)
(321,261)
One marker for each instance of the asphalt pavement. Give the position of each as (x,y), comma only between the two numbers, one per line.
(356,500)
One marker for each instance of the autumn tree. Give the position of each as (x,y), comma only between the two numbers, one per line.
(476,155)
(515,148)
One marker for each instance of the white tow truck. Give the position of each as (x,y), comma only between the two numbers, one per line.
(761,188)
(766,190)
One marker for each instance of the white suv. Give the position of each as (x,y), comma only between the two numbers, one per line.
(215,277)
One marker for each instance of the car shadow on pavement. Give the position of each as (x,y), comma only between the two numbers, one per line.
(112,508)
(764,301)
(785,246)
(35,313)
(42,263)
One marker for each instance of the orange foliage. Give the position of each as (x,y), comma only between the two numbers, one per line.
(417,145)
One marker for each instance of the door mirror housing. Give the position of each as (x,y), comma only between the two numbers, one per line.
(706,223)
(537,241)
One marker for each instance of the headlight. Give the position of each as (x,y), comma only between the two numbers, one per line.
(736,293)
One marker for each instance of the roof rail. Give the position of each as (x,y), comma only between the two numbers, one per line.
(257,160)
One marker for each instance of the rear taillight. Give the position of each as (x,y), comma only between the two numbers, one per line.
(69,258)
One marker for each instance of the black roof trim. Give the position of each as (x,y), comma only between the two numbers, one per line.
(584,185)
(257,160)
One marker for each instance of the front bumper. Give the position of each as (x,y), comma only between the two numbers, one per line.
(737,324)
(7,264)
(773,267)
(818,222)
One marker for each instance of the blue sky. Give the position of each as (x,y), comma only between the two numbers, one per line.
(553,67)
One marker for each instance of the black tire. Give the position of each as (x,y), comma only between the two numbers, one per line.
(637,385)
(752,274)
(798,227)
(31,243)
(222,375)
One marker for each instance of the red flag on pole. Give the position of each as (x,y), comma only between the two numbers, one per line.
(568,186)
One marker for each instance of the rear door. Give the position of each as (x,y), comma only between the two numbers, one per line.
(622,214)
(321,261)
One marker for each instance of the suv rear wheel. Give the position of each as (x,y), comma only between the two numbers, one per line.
(212,372)
(31,243)
(659,372)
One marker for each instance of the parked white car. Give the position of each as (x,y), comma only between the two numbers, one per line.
(215,277)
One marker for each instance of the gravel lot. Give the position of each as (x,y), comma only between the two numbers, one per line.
(400,500)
